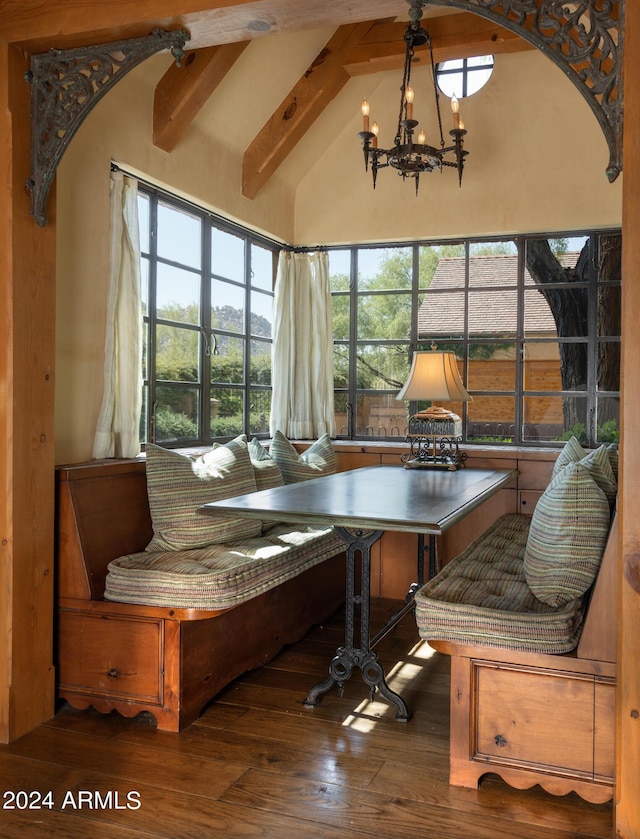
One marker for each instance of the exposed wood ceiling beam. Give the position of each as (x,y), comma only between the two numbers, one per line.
(452,36)
(64,24)
(297,112)
(380,46)
(182,91)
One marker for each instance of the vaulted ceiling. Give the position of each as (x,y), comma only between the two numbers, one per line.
(356,47)
(363,37)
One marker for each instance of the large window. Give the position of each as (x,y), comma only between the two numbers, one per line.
(534,323)
(207,293)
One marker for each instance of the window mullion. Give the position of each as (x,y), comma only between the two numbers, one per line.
(592,346)
(353,335)
(248,333)
(520,347)
(153,316)
(206,336)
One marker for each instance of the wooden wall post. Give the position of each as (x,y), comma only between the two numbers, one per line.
(628,699)
(27,350)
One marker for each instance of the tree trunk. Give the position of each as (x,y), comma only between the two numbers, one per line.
(570,309)
(609,314)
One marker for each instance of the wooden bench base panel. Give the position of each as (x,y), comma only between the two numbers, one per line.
(114,658)
(532,719)
(460,776)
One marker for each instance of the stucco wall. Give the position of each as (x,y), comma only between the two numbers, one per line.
(537,161)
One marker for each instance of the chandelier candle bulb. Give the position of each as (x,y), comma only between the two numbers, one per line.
(409,100)
(374,130)
(422,137)
(455,107)
(365,115)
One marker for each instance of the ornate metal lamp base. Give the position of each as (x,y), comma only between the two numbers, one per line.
(433,439)
(434,453)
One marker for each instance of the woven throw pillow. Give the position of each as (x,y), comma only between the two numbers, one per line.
(571,452)
(178,484)
(597,462)
(266,471)
(567,536)
(319,459)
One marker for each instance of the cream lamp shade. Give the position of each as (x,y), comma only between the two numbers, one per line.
(434,376)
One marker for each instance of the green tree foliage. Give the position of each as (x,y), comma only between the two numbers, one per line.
(385,312)
(559,246)
(178,360)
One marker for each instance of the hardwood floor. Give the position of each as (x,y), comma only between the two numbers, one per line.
(259,764)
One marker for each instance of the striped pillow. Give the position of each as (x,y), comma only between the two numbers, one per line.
(178,484)
(266,471)
(597,462)
(572,452)
(567,535)
(319,459)
(598,465)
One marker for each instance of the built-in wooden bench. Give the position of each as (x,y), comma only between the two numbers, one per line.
(170,662)
(536,718)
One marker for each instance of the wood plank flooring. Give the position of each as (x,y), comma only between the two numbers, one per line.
(259,764)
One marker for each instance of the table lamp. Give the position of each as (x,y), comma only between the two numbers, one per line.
(434,433)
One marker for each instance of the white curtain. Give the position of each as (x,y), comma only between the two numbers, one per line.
(302,374)
(117,428)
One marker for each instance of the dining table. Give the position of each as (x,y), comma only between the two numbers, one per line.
(361,504)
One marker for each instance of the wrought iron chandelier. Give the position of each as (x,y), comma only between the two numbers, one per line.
(410,158)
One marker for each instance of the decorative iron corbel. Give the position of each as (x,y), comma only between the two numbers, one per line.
(584,39)
(65,86)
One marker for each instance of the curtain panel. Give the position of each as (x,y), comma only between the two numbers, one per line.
(117,431)
(302,369)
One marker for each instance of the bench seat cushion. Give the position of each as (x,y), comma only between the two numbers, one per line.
(220,576)
(481,597)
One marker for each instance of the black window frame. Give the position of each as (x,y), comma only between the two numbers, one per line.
(346,398)
(465,70)
(209,336)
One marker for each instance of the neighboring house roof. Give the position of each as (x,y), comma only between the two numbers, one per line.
(493,312)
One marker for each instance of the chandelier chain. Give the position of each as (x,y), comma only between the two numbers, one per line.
(406,81)
(436,93)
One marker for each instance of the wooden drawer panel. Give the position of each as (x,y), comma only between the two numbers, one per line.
(356,460)
(605,729)
(111,656)
(536,718)
(534,474)
(527,501)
